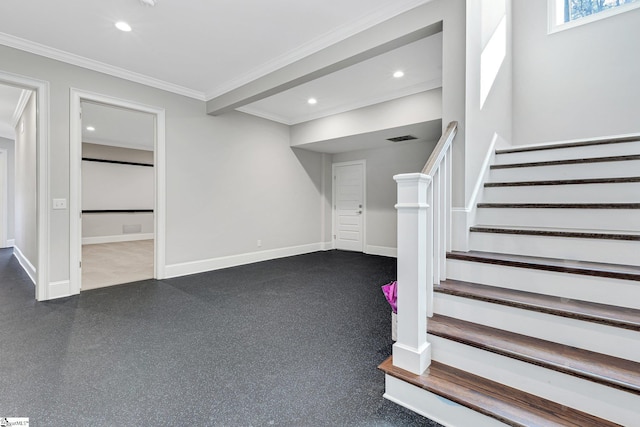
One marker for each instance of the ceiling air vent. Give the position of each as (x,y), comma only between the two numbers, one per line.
(402,138)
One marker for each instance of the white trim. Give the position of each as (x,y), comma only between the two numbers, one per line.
(382,251)
(59,289)
(194,267)
(117,238)
(11,243)
(555,15)
(101,67)
(41,89)
(364,199)
(22,103)
(326,246)
(4,198)
(29,268)
(332,37)
(75,151)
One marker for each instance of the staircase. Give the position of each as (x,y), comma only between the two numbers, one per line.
(539,323)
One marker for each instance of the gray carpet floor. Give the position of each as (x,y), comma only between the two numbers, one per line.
(289,342)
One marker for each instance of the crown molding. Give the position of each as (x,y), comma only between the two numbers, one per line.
(22,103)
(101,67)
(361,103)
(317,44)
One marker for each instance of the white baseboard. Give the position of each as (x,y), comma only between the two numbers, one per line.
(381,250)
(25,263)
(186,268)
(59,289)
(117,238)
(326,246)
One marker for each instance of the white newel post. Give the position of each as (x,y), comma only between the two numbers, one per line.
(411,351)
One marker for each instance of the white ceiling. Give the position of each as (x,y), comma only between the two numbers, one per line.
(363,84)
(203,48)
(423,132)
(117,127)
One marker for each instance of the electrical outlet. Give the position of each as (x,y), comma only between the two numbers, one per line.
(259,243)
(59,203)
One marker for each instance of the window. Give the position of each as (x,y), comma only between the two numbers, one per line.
(564,14)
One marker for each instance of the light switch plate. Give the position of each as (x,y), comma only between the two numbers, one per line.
(59,203)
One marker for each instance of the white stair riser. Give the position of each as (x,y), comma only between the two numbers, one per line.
(628,192)
(434,407)
(590,151)
(592,250)
(622,293)
(573,171)
(599,400)
(599,338)
(587,219)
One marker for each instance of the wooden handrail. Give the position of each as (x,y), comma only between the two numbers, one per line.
(441,148)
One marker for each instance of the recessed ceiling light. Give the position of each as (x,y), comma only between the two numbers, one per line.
(312,101)
(90,128)
(123,26)
(398,74)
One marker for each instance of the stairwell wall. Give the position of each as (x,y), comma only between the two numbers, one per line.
(577,83)
(488,106)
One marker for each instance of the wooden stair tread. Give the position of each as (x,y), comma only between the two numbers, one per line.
(600,368)
(545,147)
(559,232)
(622,180)
(611,315)
(509,405)
(560,205)
(567,162)
(614,271)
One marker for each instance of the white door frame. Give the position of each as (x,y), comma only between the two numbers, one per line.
(364,201)
(41,89)
(4,189)
(75,200)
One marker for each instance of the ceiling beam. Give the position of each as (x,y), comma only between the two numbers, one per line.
(392,34)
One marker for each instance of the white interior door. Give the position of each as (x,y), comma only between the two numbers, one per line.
(349,205)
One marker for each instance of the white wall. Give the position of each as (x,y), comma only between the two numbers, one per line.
(382,165)
(577,83)
(494,115)
(408,110)
(231,179)
(25,184)
(9,146)
(110,186)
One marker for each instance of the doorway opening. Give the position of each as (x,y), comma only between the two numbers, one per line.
(117,178)
(349,205)
(118,195)
(25,226)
